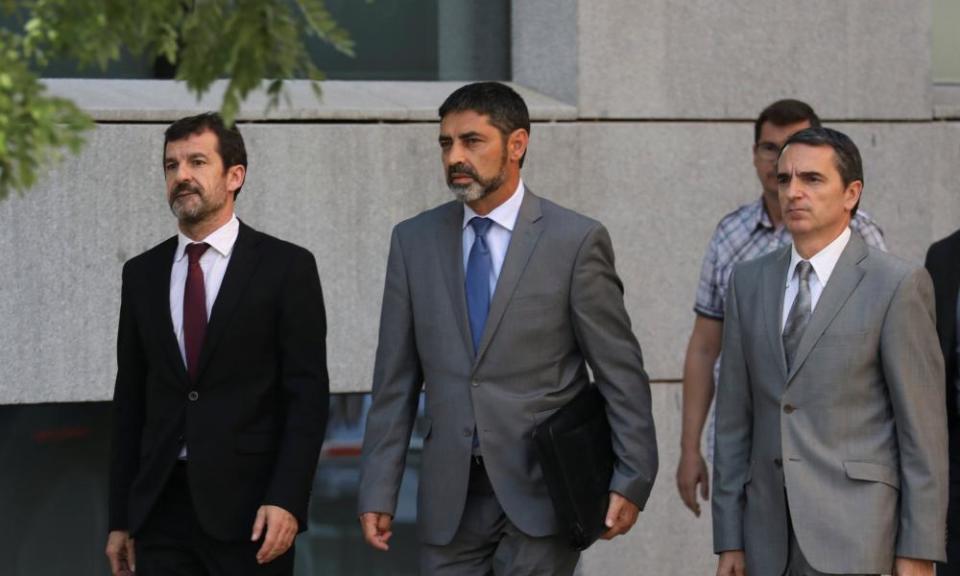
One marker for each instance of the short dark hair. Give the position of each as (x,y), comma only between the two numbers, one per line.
(505,108)
(230,145)
(845,153)
(784,113)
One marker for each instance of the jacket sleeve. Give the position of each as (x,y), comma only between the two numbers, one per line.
(128,407)
(734,425)
(914,373)
(305,386)
(604,334)
(397,381)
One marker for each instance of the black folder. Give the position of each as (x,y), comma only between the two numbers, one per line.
(576,455)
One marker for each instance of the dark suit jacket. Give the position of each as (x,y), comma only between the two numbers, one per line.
(253,421)
(943,262)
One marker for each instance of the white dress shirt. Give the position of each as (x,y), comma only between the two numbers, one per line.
(213,263)
(504,219)
(823,263)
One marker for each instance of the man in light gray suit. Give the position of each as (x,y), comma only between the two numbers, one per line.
(497,301)
(831,445)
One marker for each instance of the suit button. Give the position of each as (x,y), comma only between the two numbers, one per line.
(193,395)
(778,462)
(789,408)
(467,432)
(474,383)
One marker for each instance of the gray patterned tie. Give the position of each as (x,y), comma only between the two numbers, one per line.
(799,314)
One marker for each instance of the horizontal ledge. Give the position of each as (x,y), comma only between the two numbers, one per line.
(168,100)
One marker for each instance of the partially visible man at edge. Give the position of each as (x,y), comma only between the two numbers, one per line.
(748,232)
(222,390)
(943,263)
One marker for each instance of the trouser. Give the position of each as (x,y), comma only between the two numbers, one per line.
(487,542)
(172,542)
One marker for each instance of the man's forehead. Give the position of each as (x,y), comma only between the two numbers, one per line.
(465,121)
(771,132)
(806,158)
(204,142)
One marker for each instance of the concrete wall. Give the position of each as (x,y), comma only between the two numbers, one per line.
(643,119)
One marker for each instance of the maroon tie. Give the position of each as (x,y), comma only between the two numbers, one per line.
(194,309)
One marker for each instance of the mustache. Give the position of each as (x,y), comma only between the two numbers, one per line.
(186,188)
(461,169)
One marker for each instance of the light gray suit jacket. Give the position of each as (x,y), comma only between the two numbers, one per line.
(855,434)
(558,306)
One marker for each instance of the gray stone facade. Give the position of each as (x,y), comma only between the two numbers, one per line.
(643,119)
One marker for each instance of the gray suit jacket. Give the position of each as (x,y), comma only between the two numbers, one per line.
(558,306)
(855,435)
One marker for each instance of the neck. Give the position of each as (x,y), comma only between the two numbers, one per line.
(488,203)
(772,205)
(811,245)
(197,231)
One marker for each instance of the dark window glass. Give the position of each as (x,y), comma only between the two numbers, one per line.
(53,493)
(394,40)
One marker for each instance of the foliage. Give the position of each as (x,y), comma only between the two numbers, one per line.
(245,41)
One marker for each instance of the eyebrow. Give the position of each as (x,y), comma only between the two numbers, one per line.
(190,157)
(801,174)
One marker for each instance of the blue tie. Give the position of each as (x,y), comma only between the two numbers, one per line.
(479,266)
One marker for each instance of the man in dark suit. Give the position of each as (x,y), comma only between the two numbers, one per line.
(943,263)
(221,392)
(497,300)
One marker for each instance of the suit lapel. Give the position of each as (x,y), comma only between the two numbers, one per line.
(772,290)
(844,279)
(450,247)
(160,303)
(523,240)
(243,262)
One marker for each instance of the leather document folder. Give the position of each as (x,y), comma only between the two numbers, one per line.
(576,454)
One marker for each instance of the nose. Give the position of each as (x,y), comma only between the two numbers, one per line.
(183,172)
(454,154)
(792,189)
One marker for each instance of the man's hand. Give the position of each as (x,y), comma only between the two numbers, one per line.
(120,552)
(732,563)
(912,567)
(621,516)
(281,530)
(376,529)
(692,471)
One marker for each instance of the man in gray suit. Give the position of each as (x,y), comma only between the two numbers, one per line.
(497,301)
(831,445)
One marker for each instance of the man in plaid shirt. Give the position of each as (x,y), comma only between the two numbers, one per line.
(748,232)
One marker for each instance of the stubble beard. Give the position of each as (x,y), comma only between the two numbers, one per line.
(194,208)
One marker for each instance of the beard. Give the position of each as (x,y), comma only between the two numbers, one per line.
(191,204)
(480,187)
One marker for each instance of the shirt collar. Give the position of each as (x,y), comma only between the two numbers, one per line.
(824,261)
(760,215)
(505,214)
(222,239)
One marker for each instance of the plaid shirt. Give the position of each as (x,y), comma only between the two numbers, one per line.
(745,234)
